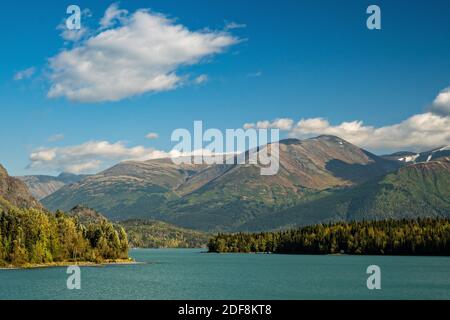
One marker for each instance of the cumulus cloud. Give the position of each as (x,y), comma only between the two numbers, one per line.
(283,124)
(73,35)
(25,74)
(113,15)
(417,133)
(91,155)
(137,53)
(152,135)
(87,166)
(441,105)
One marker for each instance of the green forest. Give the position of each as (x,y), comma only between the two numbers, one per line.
(427,236)
(157,234)
(33,237)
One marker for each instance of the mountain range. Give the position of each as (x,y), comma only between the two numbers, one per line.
(320,179)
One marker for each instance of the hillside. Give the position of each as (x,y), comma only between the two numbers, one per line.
(128,190)
(157,234)
(307,169)
(222,197)
(417,190)
(86,215)
(15,191)
(42,186)
(31,236)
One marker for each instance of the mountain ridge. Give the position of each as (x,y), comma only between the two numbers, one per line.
(222,197)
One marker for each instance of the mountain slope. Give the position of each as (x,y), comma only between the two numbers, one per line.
(129,189)
(222,197)
(307,167)
(15,191)
(43,186)
(417,190)
(157,234)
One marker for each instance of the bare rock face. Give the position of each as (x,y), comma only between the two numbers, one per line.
(16,192)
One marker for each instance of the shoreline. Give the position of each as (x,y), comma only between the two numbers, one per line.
(71,263)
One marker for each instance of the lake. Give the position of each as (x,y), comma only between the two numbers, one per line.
(192,274)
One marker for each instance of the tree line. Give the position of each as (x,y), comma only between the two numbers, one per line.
(33,236)
(425,236)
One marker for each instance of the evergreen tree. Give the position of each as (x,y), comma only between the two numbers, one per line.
(400,237)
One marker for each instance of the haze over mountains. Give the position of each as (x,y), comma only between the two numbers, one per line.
(42,186)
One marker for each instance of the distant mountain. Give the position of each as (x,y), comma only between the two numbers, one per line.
(402,156)
(42,186)
(223,197)
(413,157)
(127,190)
(16,192)
(416,190)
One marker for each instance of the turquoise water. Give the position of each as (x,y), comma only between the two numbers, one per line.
(191,274)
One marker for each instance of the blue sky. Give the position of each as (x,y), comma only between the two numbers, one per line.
(293,60)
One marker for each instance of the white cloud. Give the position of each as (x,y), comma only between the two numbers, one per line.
(141,55)
(234,25)
(87,166)
(441,105)
(152,135)
(89,156)
(75,35)
(93,156)
(43,155)
(25,74)
(283,124)
(201,79)
(113,15)
(56,137)
(417,133)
